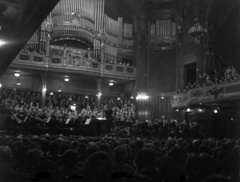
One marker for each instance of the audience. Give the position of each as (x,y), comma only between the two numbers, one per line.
(205,79)
(118,159)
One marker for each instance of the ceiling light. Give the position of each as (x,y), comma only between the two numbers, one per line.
(132,97)
(66,79)
(110,83)
(0,85)
(16,74)
(2,42)
(51,93)
(215,111)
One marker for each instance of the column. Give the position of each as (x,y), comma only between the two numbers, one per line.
(64,61)
(200,58)
(47,47)
(44,88)
(99,96)
(141,52)
(102,56)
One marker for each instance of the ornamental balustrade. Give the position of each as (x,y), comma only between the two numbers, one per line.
(76,61)
(206,95)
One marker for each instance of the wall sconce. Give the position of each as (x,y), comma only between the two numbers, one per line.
(188,110)
(59,90)
(18,82)
(99,94)
(16,74)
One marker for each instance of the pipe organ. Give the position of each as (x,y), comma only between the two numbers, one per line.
(38,41)
(86,21)
(162,33)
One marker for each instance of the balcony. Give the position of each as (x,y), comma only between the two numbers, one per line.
(75,64)
(221,93)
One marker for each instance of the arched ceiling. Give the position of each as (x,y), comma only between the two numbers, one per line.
(118,8)
(128,8)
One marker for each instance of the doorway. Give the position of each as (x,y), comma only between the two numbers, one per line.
(190,73)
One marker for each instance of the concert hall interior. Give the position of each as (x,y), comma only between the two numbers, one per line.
(125,81)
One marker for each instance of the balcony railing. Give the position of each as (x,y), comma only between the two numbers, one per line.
(207,95)
(76,62)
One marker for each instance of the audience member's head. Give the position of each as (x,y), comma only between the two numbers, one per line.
(120,154)
(70,158)
(98,167)
(53,148)
(145,157)
(5,155)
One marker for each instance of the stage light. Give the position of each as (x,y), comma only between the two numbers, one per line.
(66,79)
(111,84)
(0,85)
(142,97)
(132,97)
(44,89)
(86,97)
(16,74)
(215,111)
(118,98)
(51,93)
(200,110)
(177,110)
(188,109)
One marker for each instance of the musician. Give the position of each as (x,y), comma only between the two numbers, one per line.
(21,114)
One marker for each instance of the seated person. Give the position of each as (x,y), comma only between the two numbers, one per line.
(190,85)
(234,73)
(228,74)
(179,90)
